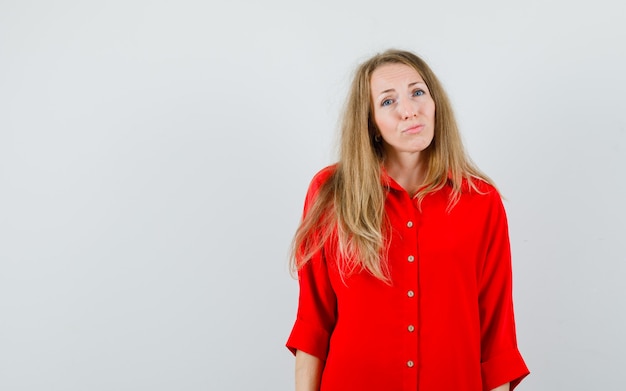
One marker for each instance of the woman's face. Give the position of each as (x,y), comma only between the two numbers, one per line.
(404,111)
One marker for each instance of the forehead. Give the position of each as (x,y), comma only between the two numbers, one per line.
(393,76)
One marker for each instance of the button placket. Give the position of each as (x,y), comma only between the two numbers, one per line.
(411,295)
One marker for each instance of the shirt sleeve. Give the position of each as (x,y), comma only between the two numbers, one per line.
(317,303)
(501,361)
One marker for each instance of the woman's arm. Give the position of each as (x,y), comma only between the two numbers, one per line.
(309,372)
(500,358)
(504,387)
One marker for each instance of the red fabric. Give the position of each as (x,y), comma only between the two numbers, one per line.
(456,330)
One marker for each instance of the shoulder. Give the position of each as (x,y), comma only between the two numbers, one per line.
(480,196)
(322,177)
(486,200)
(318,181)
(478,186)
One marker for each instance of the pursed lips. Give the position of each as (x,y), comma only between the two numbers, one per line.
(413,129)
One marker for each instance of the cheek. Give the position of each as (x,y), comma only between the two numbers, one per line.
(379,121)
(432,110)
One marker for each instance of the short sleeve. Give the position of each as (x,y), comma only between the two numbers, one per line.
(316,311)
(501,361)
(317,303)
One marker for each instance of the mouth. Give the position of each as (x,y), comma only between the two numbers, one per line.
(413,129)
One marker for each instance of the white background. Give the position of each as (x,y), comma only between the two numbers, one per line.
(154,157)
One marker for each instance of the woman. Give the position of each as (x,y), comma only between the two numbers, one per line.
(403,253)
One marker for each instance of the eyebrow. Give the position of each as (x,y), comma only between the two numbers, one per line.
(392,90)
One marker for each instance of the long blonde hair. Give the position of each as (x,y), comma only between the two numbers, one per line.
(349,206)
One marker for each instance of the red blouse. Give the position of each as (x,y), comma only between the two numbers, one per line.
(444,324)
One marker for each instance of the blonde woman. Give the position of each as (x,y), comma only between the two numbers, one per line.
(403,252)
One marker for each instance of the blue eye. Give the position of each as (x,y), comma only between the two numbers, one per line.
(386,102)
(418,92)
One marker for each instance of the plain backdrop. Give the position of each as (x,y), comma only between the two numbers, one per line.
(154,157)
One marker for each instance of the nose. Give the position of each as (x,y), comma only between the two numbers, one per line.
(407,109)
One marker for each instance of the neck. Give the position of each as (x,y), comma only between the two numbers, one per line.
(409,170)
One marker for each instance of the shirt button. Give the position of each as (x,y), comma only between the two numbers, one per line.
(410,293)
(411,328)
(411,258)
(409,224)
(410,364)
